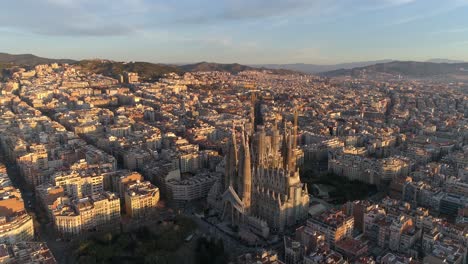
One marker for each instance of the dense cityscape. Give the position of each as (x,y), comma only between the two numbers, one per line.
(258,166)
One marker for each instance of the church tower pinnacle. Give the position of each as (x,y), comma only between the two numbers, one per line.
(231,169)
(246,172)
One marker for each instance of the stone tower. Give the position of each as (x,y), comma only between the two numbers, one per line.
(246,172)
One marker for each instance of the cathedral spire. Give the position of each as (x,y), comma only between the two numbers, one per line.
(284,147)
(230,173)
(260,145)
(275,144)
(294,136)
(246,172)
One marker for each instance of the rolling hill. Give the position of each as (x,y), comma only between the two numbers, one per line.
(439,60)
(151,71)
(409,69)
(317,68)
(209,66)
(29,59)
(10,60)
(147,71)
(233,68)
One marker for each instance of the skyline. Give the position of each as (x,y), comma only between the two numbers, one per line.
(319,131)
(246,32)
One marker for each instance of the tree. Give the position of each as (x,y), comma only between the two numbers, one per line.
(210,251)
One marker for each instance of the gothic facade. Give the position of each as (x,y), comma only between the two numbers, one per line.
(261,185)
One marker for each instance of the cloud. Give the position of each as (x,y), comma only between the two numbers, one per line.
(245,10)
(75,17)
(305,54)
(86,30)
(128,17)
(445,7)
(399,2)
(459,43)
(220,41)
(449,31)
(250,10)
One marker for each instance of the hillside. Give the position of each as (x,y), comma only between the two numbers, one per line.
(207,66)
(29,59)
(3,67)
(317,68)
(146,70)
(233,68)
(439,60)
(409,69)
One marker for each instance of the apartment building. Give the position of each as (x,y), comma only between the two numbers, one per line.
(141,199)
(96,212)
(334,224)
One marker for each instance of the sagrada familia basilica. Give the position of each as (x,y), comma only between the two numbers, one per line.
(261,189)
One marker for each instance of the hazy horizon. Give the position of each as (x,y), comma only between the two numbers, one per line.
(238,31)
(234,62)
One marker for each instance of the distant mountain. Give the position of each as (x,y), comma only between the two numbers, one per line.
(317,68)
(146,70)
(410,69)
(208,66)
(10,60)
(3,69)
(233,68)
(152,71)
(29,59)
(438,60)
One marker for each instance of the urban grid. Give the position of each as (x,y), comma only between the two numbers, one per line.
(259,166)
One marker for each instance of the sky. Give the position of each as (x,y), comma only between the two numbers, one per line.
(242,31)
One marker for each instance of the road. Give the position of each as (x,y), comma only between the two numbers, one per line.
(232,245)
(45,232)
(43,228)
